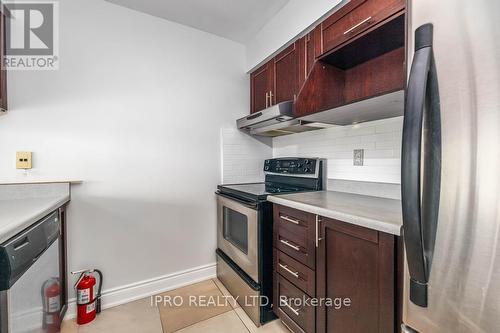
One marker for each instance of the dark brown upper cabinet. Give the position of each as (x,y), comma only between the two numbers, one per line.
(354,18)
(277,80)
(309,48)
(286,74)
(3,71)
(369,65)
(355,54)
(261,86)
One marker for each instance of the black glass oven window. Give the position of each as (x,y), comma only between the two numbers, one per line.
(236,229)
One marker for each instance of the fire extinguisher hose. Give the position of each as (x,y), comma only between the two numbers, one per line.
(98,297)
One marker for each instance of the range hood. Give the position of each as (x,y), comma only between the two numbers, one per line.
(278,119)
(273,115)
(275,121)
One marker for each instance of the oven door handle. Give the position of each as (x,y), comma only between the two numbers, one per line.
(248,204)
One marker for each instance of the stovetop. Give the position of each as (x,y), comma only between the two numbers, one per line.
(283,175)
(262,188)
(258,191)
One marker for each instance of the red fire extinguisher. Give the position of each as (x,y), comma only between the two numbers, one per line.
(88,302)
(51,295)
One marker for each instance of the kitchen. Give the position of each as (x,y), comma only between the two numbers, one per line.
(116,154)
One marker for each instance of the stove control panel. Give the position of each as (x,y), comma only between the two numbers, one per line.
(293,166)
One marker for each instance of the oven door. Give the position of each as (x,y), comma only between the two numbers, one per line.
(237,233)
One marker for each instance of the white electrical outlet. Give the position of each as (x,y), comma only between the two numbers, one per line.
(358,158)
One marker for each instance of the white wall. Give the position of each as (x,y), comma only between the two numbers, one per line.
(291,21)
(135,111)
(381,141)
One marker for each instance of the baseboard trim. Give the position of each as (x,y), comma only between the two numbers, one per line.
(146,288)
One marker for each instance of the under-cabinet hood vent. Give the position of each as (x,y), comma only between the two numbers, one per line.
(288,127)
(278,120)
(273,115)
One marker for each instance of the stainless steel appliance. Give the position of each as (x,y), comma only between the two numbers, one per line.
(275,114)
(276,120)
(450,168)
(32,279)
(245,229)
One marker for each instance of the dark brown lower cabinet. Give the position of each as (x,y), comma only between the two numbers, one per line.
(355,269)
(346,284)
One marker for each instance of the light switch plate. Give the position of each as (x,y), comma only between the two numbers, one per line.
(23,160)
(358,158)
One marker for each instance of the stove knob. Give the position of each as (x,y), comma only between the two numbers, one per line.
(307,162)
(307,170)
(266,167)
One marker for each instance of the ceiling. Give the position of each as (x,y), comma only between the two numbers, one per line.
(237,20)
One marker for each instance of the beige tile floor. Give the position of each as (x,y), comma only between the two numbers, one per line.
(143,317)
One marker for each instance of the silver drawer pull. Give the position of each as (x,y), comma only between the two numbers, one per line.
(357,25)
(296,312)
(289,219)
(285,267)
(287,243)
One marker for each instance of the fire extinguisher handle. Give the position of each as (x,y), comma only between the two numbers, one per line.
(99,290)
(98,304)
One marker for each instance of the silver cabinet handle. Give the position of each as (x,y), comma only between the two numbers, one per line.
(289,219)
(267,99)
(357,25)
(271,98)
(296,312)
(317,230)
(285,267)
(287,243)
(318,238)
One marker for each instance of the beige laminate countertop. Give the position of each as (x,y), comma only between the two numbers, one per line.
(375,213)
(24,204)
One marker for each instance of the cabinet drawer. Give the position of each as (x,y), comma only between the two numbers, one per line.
(300,275)
(295,234)
(292,302)
(356,17)
(289,323)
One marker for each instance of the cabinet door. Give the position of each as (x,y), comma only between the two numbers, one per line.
(308,48)
(310,57)
(355,264)
(286,74)
(356,17)
(292,304)
(261,83)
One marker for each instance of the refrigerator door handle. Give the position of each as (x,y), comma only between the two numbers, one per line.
(420,200)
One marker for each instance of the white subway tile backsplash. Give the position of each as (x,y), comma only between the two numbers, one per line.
(380,139)
(242,157)
(357,131)
(379,153)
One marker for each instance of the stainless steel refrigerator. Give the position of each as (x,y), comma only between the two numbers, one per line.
(451,167)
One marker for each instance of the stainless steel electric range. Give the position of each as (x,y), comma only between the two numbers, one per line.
(245,229)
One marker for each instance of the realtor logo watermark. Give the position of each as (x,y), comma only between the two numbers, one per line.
(32,35)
